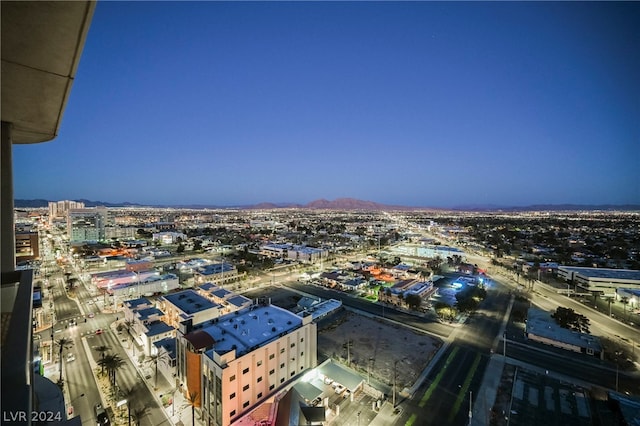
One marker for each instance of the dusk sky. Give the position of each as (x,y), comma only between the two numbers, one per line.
(426,104)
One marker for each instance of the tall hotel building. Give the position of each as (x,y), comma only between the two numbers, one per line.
(59,209)
(235,362)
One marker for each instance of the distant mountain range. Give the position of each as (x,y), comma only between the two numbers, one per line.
(354,204)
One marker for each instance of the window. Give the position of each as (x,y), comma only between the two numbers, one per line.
(259,379)
(232,413)
(293,345)
(245,404)
(301,339)
(260,395)
(301,353)
(282,380)
(232,378)
(245,387)
(292,373)
(282,350)
(271,387)
(271,356)
(282,365)
(259,363)
(245,371)
(233,395)
(272,371)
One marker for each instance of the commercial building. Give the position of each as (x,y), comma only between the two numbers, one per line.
(426,251)
(293,252)
(602,280)
(542,328)
(235,362)
(169,237)
(87,224)
(218,273)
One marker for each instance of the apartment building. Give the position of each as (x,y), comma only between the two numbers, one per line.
(229,300)
(188,305)
(239,360)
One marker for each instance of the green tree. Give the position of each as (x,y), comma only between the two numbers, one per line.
(112,363)
(570,319)
(413,301)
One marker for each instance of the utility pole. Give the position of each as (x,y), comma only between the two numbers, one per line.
(470,406)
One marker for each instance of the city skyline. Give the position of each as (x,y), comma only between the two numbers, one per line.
(413,104)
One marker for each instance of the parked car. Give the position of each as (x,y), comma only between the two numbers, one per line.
(340,388)
(71,357)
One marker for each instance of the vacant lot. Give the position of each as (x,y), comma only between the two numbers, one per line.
(371,345)
(376,345)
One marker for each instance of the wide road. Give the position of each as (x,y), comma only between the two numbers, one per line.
(129,381)
(594,372)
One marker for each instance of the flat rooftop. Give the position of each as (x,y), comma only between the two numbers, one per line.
(158,327)
(215,268)
(541,324)
(604,273)
(250,328)
(189,302)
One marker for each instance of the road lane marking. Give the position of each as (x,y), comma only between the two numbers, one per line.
(436,381)
(411,420)
(465,387)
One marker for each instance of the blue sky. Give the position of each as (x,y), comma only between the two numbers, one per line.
(432,104)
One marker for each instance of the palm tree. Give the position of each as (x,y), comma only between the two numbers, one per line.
(102,349)
(63,343)
(161,356)
(192,399)
(112,363)
(138,413)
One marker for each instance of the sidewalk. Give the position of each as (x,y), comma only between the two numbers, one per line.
(178,412)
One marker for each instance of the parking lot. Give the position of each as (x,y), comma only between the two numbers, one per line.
(539,399)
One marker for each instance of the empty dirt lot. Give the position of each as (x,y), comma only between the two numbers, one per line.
(365,340)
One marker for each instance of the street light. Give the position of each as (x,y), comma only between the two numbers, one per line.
(395,363)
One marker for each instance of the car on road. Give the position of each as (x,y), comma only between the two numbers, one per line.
(91,315)
(98,331)
(71,357)
(101,415)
